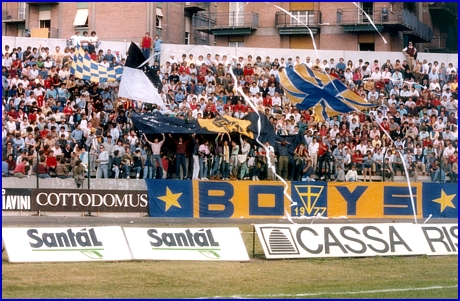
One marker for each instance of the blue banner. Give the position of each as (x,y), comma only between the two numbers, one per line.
(311,198)
(170,198)
(440,200)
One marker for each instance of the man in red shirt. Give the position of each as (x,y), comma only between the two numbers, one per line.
(146,45)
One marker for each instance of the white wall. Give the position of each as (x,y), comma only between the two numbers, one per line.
(178,50)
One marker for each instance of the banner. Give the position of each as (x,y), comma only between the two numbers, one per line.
(89,200)
(216,199)
(356,240)
(440,200)
(186,244)
(311,198)
(440,239)
(15,199)
(373,200)
(65,244)
(226,124)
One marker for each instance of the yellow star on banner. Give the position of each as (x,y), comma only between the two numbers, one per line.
(445,200)
(170,199)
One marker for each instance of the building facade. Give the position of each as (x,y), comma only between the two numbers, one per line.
(432,26)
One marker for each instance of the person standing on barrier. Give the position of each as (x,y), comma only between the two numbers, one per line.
(225,161)
(181,147)
(410,52)
(146,45)
(204,154)
(157,48)
(79,173)
(283,160)
(103,161)
(323,150)
(156,154)
(243,158)
(217,156)
(234,160)
(196,159)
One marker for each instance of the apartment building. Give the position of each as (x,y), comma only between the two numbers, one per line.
(432,26)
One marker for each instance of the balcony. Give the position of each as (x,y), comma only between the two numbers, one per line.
(287,25)
(13,16)
(443,45)
(442,8)
(196,6)
(233,23)
(354,20)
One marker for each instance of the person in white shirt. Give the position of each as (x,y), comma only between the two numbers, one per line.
(307,62)
(325,65)
(434,84)
(276,100)
(75,39)
(376,75)
(352,174)
(313,151)
(373,95)
(104,63)
(172,59)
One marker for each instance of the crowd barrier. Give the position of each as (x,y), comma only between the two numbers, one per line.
(247,199)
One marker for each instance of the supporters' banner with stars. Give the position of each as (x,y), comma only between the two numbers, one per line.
(440,200)
(86,69)
(326,95)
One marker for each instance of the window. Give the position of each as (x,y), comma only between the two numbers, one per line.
(236,15)
(187,38)
(21,10)
(45,23)
(159,17)
(236,44)
(368,7)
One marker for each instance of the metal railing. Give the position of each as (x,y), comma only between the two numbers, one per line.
(206,20)
(203,21)
(355,16)
(404,17)
(311,18)
(423,31)
(13,15)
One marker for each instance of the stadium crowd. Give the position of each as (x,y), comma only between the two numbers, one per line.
(55,125)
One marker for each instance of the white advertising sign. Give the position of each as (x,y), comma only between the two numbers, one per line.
(220,244)
(339,240)
(65,244)
(440,239)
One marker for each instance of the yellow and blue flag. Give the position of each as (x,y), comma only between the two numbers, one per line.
(326,95)
(85,68)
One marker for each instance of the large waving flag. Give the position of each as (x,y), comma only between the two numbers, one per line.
(85,68)
(327,96)
(137,83)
